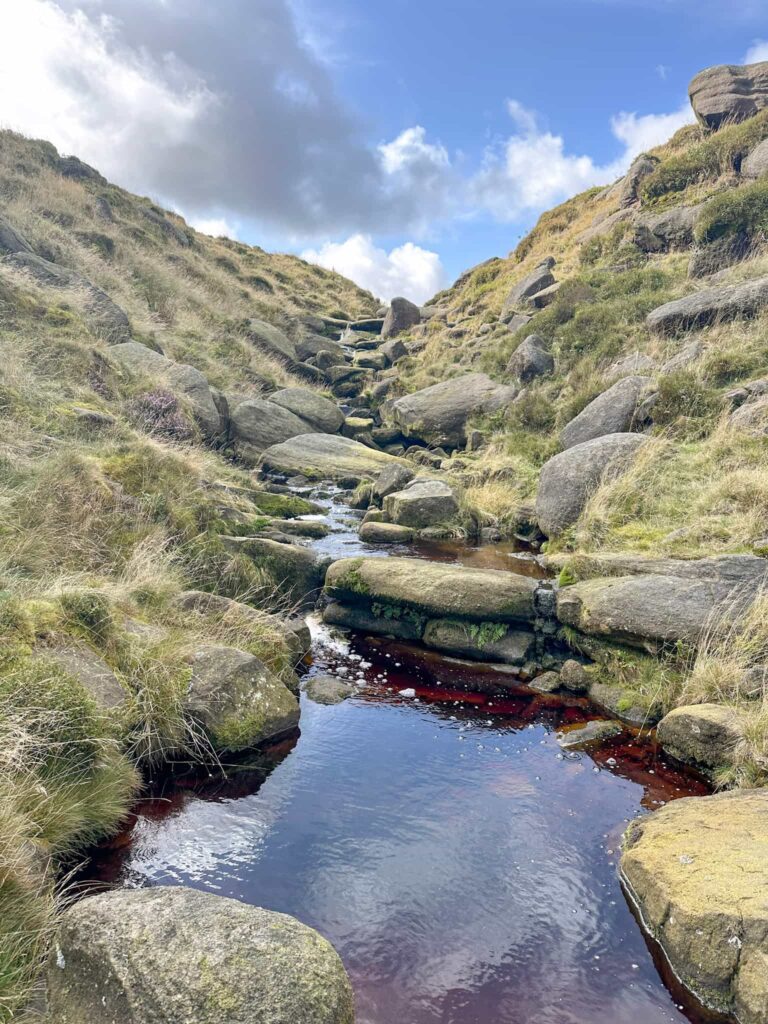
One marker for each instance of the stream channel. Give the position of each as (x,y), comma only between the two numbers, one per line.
(463,865)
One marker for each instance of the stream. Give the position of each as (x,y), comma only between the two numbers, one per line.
(463,865)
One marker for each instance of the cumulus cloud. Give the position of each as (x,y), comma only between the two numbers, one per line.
(758,51)
(406,270)
(198,103)
(217,227)
(532,169)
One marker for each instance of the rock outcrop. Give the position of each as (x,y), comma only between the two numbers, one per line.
(567,480)
(273,341)
(755,164)
(439,414)
(728,93)
(171,955)
(696,871)
(531,359)
(519,297)
(257,424)
(710,305)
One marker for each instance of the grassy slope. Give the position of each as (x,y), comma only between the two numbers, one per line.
(101,525)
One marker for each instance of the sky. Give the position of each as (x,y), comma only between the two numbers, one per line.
(398,142)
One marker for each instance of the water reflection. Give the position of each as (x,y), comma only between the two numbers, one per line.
(463,866)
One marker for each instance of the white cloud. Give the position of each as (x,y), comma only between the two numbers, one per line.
(758,51)
(532,170)
(410,149)
(406,270)
(214,226)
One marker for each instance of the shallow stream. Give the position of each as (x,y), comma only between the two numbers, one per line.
(463,865)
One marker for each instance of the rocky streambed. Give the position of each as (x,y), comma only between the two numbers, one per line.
(452,828)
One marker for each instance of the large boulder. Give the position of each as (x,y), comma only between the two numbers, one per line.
(439,414)
(629,186)
(180,378)
(696,872)
(327,457)
(422,503)
(258,423)
(612,412)
(568,480)
(104,316)
(374,532)
(705,735)
(755,164)
(649,611)
(320,413)
(401,316)
(752,417)
(729,92)
(172,955)
(530,359)
(393,350)
(541,277)
(237,700)
(311,344)
(273,341)
(364,620)
(437,589)
(710,305)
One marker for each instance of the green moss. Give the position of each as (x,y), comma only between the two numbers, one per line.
(283,506)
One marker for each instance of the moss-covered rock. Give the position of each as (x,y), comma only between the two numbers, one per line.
(176,955)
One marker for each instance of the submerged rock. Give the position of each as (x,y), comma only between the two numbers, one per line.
(327,689)
(696,871)
(172,955)
(587,733)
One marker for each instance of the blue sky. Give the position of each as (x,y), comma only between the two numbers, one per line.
(399,142)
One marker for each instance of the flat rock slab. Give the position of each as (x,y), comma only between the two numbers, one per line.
(478,642)
(327,457)
(741,570)
(709,306)
(585,734)
(436,589)
(172,955)
(647,611)
(366,621)
(696,870)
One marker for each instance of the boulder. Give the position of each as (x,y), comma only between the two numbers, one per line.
(639,169)
(370,360)
(587,734)
(393,478)
(327,689)
(237,700)
(545,297)
(401,316)
(515,321)
(273,341)
(437,589)
(422,503)
(547,682)
(687,355)
(567,480)
(439,414)
(622,703)
(12,240)
(310,345)
(295,569)
(667,231)
(479,642)
(752,417)
(320,413)
(346,381)
(695,870)
(573,676)
(385,533)
(541,277)
(180,378)
(104,315)
(755,164)
(649,611)
(604,224)
(363,620)
(259,423)
(325,360)
(728,93)
(393,350)
(704,735)
(710,305)
(612,412)
(91,671)
(629,365)
(327,457)
(531,359)
(172,955)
